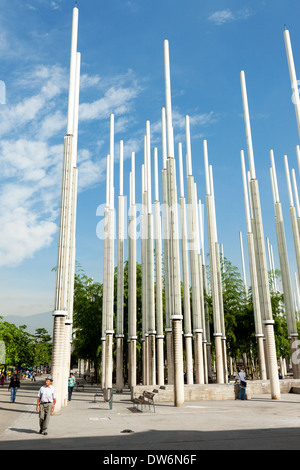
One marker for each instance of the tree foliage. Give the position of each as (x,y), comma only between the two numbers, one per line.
(88,299)
(238,316)
(23,349)
(87,319)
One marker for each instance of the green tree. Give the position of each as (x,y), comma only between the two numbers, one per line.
(18,344)
(238,313)
(87,320)
(88,298)
(238,316)
(42,347)
(280,325)
(138,314)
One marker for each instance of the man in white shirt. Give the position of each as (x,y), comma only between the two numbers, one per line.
(45,404)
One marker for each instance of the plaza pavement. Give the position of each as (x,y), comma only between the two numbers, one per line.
(256,424)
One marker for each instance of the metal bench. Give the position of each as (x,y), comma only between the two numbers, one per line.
(147,399)
(97,394)
(79,385)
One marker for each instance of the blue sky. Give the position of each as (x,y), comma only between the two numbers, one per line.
(122,72)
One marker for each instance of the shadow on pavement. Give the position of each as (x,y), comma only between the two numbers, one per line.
(152,440)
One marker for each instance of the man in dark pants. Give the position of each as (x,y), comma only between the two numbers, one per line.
(45,404)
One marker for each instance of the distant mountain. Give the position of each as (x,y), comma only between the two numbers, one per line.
(39,320)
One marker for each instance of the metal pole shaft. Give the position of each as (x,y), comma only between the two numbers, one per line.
(293,77)
(253,277)
(213,269)
(261,254)
(175,288)
(185,276)
(120,282)
(158,279)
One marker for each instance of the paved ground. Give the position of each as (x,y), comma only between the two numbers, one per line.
(260,423)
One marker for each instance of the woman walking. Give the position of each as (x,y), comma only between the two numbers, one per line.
(71,383)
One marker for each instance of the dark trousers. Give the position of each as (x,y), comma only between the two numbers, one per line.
(44,415)
(70,390)
(242,393)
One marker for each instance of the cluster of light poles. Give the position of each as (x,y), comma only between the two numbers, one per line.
(175,233)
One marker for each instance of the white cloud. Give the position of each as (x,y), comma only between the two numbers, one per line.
(53,125)
(116,100)
(87,81)
(28,198)
(54,5)
(90,173)
(197,122)
(15,116)
(221,17)
(31,7)
(24,159)
(50,81)
(22,235)
(33,111)
(31,165)
(202,119)
(118,95)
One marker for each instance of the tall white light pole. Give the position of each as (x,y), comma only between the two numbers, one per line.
(132,333)
(72,233)
(194,262)
(66,244)
(120,284)
(205,289)
(219,276)
(105,279)
(144,270)
(253,276)
(293,77)
(166,238)
(213,269)
(175,288)
(110,267)
(259,239)
(158,278)
(150,267)
(203,340)
(296,194)
(185,277)
(298,156)
(293,216)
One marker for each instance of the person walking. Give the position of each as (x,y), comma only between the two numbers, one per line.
(45,404)
(71,383)
(14,384)
(2,379)
(241,379)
